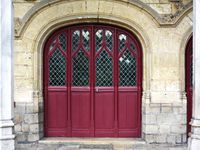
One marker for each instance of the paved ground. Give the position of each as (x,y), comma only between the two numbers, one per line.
(95,144)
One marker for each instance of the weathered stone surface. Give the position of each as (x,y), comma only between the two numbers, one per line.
(163,65)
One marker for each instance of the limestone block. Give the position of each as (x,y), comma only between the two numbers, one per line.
(166,118)
(162,8)
(18,118)
(158,85)
(180,110)
(150,138)
(31,118)
(161,138)
(33,137)
(166,109)
(18,128)
(171,139)
(23,45)
(92,6)
(23,58)
(23,70)
(152,109)
(29,108)
(178,139)
(25,127)
(20,9)
(165,97)
(180,129)
(19,111)
(41,117)
(41,127)
(151,1)
(173,85)
(151,129)
(23,95)
(34,128)
(150,119)
(21,137)
(164,129)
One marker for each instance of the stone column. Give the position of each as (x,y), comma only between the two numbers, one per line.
(194,142)
(6,76)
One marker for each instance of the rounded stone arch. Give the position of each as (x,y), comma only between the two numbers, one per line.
(130,26)
(38,29)
(186,37)
(119,22)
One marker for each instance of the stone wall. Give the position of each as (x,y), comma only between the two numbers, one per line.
(163,43)
(165,123)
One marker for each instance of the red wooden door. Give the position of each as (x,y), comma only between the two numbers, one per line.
(92,82)
(188,81)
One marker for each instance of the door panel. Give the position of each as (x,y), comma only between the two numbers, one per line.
(188,81)
(92,82)
(57,113)
(128,104)
(104,110)
(80,113)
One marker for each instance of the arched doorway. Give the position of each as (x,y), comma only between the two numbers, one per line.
(92,82)
(188,81)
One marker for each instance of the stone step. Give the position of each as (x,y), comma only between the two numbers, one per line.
(96,144)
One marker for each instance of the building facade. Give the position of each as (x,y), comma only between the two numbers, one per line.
(104,68)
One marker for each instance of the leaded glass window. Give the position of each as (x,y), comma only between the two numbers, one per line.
(57,69)
(128,69)
(75,39)
(86,39)
(98,39)
(104,69)
(80,72)
(109,40)
(63,41)
(122,41)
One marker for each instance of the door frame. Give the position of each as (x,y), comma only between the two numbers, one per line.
(139,67)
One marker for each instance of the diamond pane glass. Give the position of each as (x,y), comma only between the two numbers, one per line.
(80,72)
(75,39)
(122,41)
(109,40)
(62,41)
(52,45)
(57,69)
(127,69)
(104,70)
(132,46)
(86,39)
(98,39)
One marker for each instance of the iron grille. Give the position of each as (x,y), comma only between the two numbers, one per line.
(109,40)
(98,39)
(80,70)
(128,69)
(86,39)
(62,41)
(104,70)
(122,41)
(52,45)
(75,39)
(57,69)
(132,46)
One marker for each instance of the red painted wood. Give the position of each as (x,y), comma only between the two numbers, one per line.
(91,111)
(188,85)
